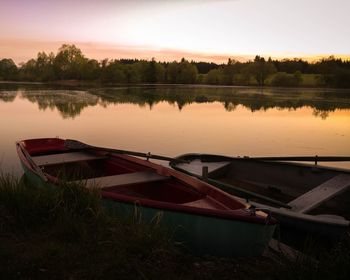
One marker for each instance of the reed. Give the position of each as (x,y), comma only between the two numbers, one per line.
(66,233)
(317,262)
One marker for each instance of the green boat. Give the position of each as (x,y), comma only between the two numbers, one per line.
(203,218)
(308,200)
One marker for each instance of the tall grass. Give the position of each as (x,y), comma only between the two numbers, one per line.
(56,232)
(28,207)
(315,263)
(66,233)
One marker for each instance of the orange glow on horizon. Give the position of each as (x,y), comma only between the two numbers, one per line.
(21,50)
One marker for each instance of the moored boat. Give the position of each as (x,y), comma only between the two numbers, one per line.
(202,217)
(307,199)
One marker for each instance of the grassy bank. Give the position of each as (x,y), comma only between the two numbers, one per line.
(65,233)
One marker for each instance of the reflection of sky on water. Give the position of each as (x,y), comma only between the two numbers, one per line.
(176,120)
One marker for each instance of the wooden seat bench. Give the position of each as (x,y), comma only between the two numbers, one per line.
(64,158)
(321,193)
(123,179)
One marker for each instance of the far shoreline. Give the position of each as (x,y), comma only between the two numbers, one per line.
(97,84)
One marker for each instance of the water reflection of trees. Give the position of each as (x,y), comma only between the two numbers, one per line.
(255,99)
(70,103)
(8,96)
(322,114)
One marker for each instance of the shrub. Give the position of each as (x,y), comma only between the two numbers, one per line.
(282,79)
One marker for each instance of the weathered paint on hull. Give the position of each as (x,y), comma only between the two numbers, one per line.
(204,234)
(200,234)
(34,179)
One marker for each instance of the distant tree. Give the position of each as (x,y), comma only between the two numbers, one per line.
(332,71)
(104,63)
(214,77)
(187,73)
(151,72)
(142,71)
(39,69)
(181,73)
(172,71)
(160,73)
(205,67)
(229,71)
(290,66)
(131,73)
(114,72)
(28,71)
(283,79)
(262,69)
(342,78)
(8,69)
(90,70)
(68,62)
(297,78)
(128,61)
(201,78)
(44,67)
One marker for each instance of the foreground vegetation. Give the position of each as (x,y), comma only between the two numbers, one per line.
(65,233)
(70,64)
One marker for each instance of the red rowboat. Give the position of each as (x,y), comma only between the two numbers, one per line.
(206,219)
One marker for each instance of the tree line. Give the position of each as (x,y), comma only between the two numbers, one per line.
(71,64)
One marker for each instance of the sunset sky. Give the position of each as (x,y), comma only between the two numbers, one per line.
(170,29)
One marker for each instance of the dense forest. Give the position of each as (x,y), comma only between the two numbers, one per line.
(70,64)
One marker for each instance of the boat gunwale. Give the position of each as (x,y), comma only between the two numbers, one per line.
(174,164)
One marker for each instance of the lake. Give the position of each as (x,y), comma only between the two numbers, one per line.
(172,120)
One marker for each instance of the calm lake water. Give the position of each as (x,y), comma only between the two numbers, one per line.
(172,120)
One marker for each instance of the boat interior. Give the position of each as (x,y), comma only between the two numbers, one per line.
(117,175)
(305,188)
